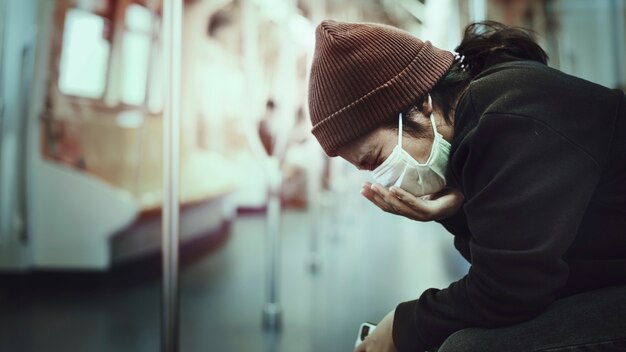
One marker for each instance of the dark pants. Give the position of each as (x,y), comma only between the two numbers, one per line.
(591,321)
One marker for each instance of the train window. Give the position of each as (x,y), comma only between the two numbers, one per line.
(84,55)
(136,53)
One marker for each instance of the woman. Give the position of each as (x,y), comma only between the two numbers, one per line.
(524,165)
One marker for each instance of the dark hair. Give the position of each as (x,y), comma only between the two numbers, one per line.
(481,41)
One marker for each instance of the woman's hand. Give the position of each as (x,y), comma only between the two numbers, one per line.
(381,339)
(397,201)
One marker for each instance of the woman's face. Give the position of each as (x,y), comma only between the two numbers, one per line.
(369,151)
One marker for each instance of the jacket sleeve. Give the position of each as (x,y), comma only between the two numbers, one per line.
(526,188)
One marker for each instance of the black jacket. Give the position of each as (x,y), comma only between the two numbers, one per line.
(540,157)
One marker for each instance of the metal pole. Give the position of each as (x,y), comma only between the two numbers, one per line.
(172,22)
(314,182)
(272,313)
(3,7)
(618,37)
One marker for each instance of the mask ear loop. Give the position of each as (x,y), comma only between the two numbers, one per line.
(400,130)
(432,118)
(401,178)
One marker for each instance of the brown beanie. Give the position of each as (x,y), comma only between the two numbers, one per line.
(364,74)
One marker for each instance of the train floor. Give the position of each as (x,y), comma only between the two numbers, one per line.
(366,263)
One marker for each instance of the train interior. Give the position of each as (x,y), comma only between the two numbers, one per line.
(81,171)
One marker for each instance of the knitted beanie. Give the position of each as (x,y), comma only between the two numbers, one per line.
(364,74)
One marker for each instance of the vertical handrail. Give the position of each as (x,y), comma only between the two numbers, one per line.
(3,9)
(314,184)
(617,38)
(2,26)
(172,22)
(272,312)
(26,81)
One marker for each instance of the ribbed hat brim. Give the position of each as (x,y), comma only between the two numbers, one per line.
(339,120)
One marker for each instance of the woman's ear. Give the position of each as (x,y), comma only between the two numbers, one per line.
(427,106)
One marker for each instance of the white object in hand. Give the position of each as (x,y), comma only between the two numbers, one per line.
(364,330)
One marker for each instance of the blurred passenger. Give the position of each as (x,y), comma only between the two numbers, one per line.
(523,164)
(265,127)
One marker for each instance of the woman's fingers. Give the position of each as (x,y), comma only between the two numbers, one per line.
(379,200)
(383,196)
(408,198)
(416,204)
(398,201)
(392,204)
(373,197)
(369,194)
(435,206)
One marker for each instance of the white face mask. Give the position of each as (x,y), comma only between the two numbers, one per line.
(401,170)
